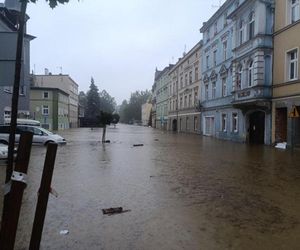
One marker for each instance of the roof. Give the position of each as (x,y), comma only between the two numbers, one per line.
(49,76)
(217,14)
(187,55)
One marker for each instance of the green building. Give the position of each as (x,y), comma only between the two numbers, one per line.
(50,107)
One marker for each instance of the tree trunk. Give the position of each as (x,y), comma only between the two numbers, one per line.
(14,107)
(103,134)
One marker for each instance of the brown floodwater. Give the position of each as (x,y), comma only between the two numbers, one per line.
(183,192)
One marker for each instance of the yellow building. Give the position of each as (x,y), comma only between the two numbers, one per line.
(286,82)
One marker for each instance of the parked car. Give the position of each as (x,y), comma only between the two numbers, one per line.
(24,122)
(41,136)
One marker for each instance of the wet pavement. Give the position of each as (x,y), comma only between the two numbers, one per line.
(183,192)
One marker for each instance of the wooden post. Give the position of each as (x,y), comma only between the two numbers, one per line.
(43,196)
(18,184)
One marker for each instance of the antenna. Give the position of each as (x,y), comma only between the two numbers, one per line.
(61,69)
(217,6)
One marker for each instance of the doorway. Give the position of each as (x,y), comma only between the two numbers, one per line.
(257,127)
(174,125)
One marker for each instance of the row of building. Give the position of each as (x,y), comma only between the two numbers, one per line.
(241,81)
(50,99)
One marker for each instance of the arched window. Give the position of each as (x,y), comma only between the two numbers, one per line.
(251,26)
(250,73)
(239,77)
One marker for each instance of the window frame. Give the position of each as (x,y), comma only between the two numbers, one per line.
(235,125)
(224,122)
(250,79)
(44,108)
(290,61)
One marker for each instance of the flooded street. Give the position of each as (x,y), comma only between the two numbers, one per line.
(183,192)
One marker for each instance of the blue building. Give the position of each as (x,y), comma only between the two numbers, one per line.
(237,72)
(9,12)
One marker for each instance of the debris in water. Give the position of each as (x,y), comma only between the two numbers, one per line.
(114,210)
(64,232)
(138,145)
(156,140)
(281,145)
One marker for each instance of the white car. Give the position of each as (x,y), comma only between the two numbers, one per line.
(41,136)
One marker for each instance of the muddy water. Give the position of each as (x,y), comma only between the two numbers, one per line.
(184,192)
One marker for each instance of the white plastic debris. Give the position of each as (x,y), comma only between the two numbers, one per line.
(64,232)
(281,145)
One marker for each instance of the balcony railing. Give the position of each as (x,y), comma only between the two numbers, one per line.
(251,94)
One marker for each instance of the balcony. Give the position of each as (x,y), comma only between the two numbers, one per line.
(258,95)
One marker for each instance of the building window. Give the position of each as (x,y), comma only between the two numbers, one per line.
(195,123)
(225,50)
(224,123)
(191,77)
(215,28)
(239,77)
(207,36)
(250,74)
(22,90)
(224,87)
(196,74)
(234,122)
(295,10)
(45,95)
(186,79)
(251,26)
(190,100)
(185,101)
(214,89)
(215,57)
(206,91)
(181,82)
(225,19)
(187,125)
(207,61)
(241,32)
(195,97)
(45,110)
(180,103)
(292,58)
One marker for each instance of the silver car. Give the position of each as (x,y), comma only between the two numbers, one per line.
(41,136)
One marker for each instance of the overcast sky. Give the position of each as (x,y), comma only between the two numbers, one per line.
(119,43)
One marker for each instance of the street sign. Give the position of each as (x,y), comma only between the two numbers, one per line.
(294,112)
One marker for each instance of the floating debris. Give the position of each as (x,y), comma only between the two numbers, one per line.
(138,145)
(64,232)
(156,140)
(114,210)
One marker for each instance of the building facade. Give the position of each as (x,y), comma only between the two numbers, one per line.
(237,72)
(146,113)
(218,115)
(286,82)
(50,107)
(184,92)
(161,85)
(67,85)
(9,12)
